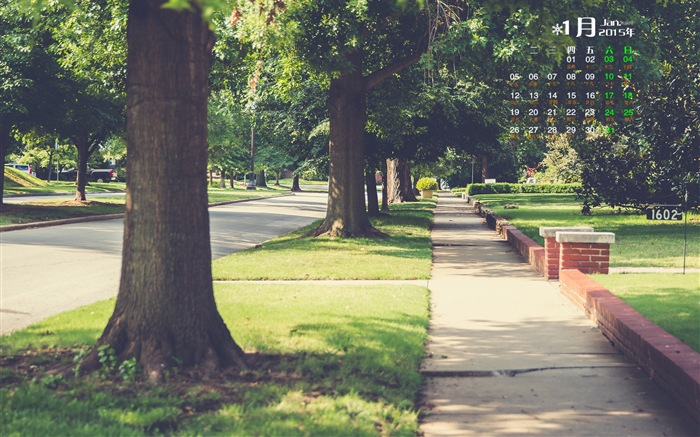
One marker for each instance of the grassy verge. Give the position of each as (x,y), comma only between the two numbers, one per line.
(67,188)
(638,242)
(672,301)
(405,254)
(340,361)
(60,208)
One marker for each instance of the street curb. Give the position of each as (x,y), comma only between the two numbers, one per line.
(97,218)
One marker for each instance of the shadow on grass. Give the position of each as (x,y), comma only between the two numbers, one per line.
(346,392)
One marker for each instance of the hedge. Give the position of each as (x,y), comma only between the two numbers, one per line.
(503,188)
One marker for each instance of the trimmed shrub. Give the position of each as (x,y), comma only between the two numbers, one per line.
(504,188)
(427,184)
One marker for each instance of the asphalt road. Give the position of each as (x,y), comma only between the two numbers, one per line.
(49,270)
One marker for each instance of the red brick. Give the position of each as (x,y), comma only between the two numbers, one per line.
(600,258)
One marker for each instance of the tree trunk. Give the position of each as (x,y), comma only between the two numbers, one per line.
(165,314)
(81,176)
(484,169)
(346,215)
(5,139)
(399,186)
(222,179)
(385,189)
(277,178)
(295,184)
(233,179)
(372,200)
(260,179)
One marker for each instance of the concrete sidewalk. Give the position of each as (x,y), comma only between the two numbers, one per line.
(509,355)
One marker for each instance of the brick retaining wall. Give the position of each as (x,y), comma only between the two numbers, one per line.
(673,365)
(668,361)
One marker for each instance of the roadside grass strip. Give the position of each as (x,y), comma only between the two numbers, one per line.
(638,242)
(63,208)
(405,254)
(671,301)
(340,360)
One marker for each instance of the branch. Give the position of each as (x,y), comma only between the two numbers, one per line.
(379,76)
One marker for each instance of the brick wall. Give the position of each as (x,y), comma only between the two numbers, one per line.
(669,362)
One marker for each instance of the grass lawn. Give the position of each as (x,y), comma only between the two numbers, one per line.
(62,208)
(324,361)
(638,242)
(405,254)
(672,301)
(58,209)
(68,188)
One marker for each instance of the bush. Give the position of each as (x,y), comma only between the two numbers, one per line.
(427,184)
(503,188)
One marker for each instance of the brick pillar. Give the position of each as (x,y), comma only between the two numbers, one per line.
(588,252)
(551,247)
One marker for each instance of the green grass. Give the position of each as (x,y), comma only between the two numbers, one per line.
(19,179)
(340,361)
(59,208)
(405,254)
(67,188)
(54,210)
(672,301)
(638,242)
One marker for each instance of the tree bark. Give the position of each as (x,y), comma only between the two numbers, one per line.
(399,187)
(232,179)
(295,184)
(5,139)
(346,215)
(222,179)
(260,180)
(385,187)
(83,147)
(165,314)
(372,200)
(484,169)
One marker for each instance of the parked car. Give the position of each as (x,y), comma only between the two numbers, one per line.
(101,175)
(26,168)
(93,175)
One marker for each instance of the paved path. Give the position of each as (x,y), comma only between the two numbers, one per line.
(46,271)
(509,355)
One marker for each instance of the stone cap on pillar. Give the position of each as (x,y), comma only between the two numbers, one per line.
(551,231)
(586,237)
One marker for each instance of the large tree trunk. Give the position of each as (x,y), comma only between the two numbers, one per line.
(81,177)
(346,215)
(385,188)
(484,168)
(5,139)
(260,180)
(295,184)
(399,186)
(372,199)
(165,313)
(222,179)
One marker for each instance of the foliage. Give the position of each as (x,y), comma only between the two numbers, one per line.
(503,187)
(638,242)
(427,184)
(656,159)
(561,164)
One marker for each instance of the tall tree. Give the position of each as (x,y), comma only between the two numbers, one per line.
(165,311)
(356,46)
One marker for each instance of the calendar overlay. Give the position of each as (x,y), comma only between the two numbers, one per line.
(591,91)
